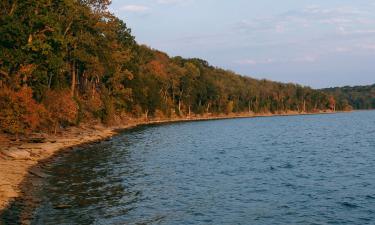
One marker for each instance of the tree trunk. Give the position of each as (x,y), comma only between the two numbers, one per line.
(93,89)
(55,128)
(208,107)
(173,94)
(50,80)
(30,39)
(73,71)
(13,8)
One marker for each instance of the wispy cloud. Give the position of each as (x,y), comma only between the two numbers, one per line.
(342,49)
(340,18)
(255,61)
(174,2)
(147,8)
(302,59)
(135,8)
(370,46)
(166,2)
(315,31)
(305,59)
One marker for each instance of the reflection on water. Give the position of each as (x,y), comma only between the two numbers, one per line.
(283,170)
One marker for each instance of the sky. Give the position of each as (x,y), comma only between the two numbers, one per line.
(318,43)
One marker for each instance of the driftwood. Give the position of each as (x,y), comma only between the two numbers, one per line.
(36,140)
(38,173)
(62,206)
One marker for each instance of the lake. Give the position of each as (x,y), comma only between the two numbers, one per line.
(316,169)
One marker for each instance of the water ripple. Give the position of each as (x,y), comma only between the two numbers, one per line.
(282,170)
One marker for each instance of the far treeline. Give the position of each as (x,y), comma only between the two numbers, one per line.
(359,97)
(65,62)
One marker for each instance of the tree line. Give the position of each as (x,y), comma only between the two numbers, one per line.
(357,97)
(64,62)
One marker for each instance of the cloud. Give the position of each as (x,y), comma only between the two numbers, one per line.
(142,9)
(135,8)
(343,49)
(370,47)
(314,30)
(260,25)
(255,62)
(356,47)
(341,19)
(173,2)
(316,10)
(167,2)
(303,59)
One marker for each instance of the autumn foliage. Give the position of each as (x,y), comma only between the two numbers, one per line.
(19,111)
(62,108)
(66,62)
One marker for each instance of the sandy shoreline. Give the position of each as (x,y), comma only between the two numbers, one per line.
(19,161)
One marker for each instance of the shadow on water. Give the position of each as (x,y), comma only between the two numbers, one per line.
(86,178)
(77,186)
(22,208)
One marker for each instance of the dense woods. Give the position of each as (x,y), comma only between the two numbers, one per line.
(357,97)
(64,62)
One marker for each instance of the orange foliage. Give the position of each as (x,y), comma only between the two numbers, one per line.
(25,72)
(158,68)
(332,103)
(19,111)
(27,69)
(92,106)
(62,107)
(95,103)
(159,114)
(137,111)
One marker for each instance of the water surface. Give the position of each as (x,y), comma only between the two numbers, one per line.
(316,169)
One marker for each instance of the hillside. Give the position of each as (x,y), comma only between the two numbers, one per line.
(63,63)
(358,97)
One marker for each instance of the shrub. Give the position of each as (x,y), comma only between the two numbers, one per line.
(20,113)
(109,110)
(230,107)
(159,114)
(94,105)
(91,107)
(62,108)
(137,111)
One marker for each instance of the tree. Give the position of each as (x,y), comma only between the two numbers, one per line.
(63,109)
(19,112)
(76,54)
(332,103)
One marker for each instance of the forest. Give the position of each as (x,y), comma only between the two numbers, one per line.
(66,62)
(358,97)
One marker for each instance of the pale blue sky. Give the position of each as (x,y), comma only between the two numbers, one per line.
(320,43)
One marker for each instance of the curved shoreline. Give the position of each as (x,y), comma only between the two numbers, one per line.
(20,162)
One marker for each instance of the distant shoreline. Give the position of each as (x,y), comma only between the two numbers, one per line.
(364,110)
(21,162)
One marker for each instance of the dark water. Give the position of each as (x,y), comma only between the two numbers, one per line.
(282,170)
